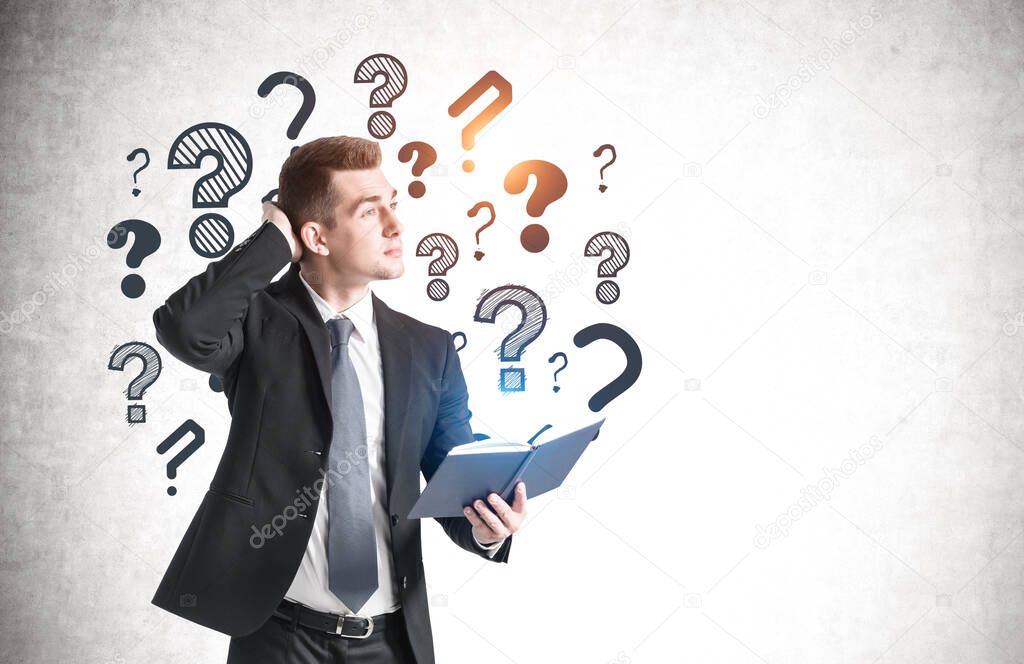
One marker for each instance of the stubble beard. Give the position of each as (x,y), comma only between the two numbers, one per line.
(383,272)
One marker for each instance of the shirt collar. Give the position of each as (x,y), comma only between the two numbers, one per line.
(360,313)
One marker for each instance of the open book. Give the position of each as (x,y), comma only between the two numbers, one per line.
(473,470)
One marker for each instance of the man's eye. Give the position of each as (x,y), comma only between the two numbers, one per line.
(370,211)
(394,205)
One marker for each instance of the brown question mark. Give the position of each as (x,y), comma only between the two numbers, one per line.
(597,153)
(426,155)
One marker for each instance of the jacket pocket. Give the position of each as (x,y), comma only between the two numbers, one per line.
(232,496)
(259,437)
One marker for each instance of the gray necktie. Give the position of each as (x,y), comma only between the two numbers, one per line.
(351,546)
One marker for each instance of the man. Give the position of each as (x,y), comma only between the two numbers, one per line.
(301,550)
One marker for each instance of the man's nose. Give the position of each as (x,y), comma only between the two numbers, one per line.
(392,225)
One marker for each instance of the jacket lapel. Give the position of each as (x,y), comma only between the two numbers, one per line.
(396,356)
(297,300)
(395,353)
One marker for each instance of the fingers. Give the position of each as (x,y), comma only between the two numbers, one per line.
(490,519)
(519,502)
(476,520)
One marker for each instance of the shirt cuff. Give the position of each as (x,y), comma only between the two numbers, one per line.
(491,549)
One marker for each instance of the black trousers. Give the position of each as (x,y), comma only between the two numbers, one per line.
(278,641)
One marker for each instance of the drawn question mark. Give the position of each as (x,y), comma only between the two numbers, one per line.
(491,79)
(308,97)
(382,124)
(198,438)
(634,360)
(135,175)
(426,155)
(565,363)
(551,185)
(608,291)
(234,161)
(147,241)
(597,153)
(151,367)
(534,318)
(305,110)
(472,213)
(464,341)
(213,190)
(437,289)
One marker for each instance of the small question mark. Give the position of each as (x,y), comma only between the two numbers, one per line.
(135,175)
(198,438)
(608,291)
(308,97)
(472,213)
(634,360)
(491,79)
(437,289)
(551,185)
(426,155)
(382,124)
(597,153)
(147,241)
(459,334)
(151,367)
(565,363)
(534,318)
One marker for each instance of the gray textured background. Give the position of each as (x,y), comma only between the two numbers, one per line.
(836,268)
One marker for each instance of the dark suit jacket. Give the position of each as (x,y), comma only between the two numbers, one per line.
(269,345)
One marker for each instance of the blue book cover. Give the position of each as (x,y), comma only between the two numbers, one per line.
(474,470)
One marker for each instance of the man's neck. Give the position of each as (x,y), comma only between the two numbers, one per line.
(339,295)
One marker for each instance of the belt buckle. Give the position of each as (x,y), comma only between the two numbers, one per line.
(341,622)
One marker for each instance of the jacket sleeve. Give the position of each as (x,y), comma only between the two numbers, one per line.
(450,429)
(201,322)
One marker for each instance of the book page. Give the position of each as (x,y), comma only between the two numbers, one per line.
(488,445)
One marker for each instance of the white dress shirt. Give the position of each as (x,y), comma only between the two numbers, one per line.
(310,585)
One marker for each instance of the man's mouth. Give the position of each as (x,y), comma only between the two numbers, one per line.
(395,253)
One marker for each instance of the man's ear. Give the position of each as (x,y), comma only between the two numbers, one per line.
(311,236)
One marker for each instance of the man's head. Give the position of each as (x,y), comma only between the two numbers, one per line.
(342,209)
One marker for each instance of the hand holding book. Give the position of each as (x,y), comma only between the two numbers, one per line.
(490,527)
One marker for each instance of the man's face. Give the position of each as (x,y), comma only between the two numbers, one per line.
(366,242)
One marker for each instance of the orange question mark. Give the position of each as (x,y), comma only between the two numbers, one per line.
(491,79)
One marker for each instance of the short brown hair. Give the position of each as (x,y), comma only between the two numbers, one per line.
(304,186)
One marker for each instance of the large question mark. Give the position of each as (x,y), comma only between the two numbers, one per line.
(426,155)
(437,289)
(198,438)
(308,97)
(597,153)
(634,360)
(491,79)
(151,367)
(608,291)
(565,363)
(234,162)
(472,213)
(213,190)
(551,185)
(534,318)
(147,241)
(135,175)
(305,110)
(382,124)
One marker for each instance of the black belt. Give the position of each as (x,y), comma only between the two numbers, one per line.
(350,626)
